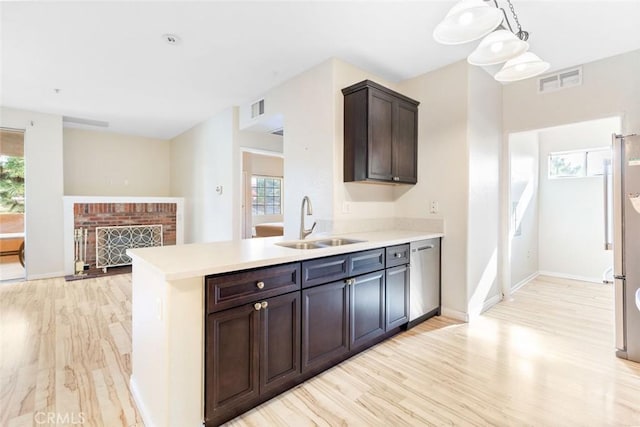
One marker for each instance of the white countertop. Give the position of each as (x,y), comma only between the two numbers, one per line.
(201,259)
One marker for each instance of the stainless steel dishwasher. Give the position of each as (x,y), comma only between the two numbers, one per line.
(424,288)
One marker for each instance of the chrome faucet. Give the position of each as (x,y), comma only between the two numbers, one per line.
(303,231)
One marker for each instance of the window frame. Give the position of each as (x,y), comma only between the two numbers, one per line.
(585,162)
(254,211)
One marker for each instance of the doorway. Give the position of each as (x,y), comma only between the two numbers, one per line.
(262,193)
(557,204)
(12,206)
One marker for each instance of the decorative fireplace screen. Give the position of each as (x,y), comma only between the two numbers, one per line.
(112,242)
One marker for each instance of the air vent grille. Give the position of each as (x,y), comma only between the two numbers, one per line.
(257,109)
(561,80)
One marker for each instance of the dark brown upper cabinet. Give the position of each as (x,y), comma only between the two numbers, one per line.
(380,135)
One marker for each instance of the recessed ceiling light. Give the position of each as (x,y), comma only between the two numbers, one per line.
(171,39)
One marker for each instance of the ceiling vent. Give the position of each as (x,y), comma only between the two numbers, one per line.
(257,109)
(561,80)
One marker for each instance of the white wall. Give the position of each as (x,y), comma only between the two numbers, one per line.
(524,193)
(443,173)
(201,159)
(260,141)
(484,139)
(306,104)
(572,209)
(610,88)
(44,182)
(100,163)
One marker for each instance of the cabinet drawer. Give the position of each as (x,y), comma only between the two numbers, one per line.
(229,290)
(397,255)
(324,270)
(366,261)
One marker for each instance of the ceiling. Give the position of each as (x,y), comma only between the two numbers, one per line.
(110,62)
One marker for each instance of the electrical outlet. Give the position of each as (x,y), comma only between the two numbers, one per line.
(433,207)
(346,207)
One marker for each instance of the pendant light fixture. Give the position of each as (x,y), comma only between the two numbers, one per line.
(470,20)
(522,67)
(497,47)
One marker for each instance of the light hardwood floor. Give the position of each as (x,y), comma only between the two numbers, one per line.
(543,359)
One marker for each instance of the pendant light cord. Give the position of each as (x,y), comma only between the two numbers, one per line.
(522,35)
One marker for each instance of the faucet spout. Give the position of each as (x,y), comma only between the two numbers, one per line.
(303,231)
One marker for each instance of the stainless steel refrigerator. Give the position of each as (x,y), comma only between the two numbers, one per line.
(626,243)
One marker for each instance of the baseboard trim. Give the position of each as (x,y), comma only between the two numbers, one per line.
(524,281)
(142,409)
(455,314)
(44,276)
(570,276)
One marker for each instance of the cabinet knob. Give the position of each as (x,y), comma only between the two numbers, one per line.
(398,255)
(260,285)
(350,281)
(264,304)
(257,306)
(396,178)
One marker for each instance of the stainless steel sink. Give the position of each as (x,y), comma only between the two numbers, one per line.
(300,245)
(337,241)
(317,244)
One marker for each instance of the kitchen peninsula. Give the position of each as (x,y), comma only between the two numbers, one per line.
(181,293)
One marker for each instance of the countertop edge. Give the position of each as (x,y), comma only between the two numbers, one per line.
(283,255)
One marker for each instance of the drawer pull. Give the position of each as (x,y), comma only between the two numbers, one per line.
(264,304)
(398,255)
(260,285)
(257,306)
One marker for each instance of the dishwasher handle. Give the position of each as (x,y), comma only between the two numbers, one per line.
(424,248)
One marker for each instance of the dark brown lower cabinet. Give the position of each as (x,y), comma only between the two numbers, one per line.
(325,324)
(280,352)
(250,350)
(255,351)
(397,301)
(367,308)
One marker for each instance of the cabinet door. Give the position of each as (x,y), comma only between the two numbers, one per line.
(325,324)
(280,352)
(380,135)
(405,142)
(231,356)
(397,296)
(367,308)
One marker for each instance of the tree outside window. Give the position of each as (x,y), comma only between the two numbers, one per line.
(11,184)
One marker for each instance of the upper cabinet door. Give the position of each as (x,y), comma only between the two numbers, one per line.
(380,147)
(405,148)
(380,135)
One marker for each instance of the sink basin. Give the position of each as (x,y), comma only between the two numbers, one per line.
(300,245)
(317,244)
(337,241)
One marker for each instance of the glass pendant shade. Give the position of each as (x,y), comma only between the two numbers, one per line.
(497,47)
(522,67)
(467,20)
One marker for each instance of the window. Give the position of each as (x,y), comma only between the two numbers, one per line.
(266,195)
(577,164)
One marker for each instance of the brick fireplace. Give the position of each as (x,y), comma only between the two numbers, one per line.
(92,212)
